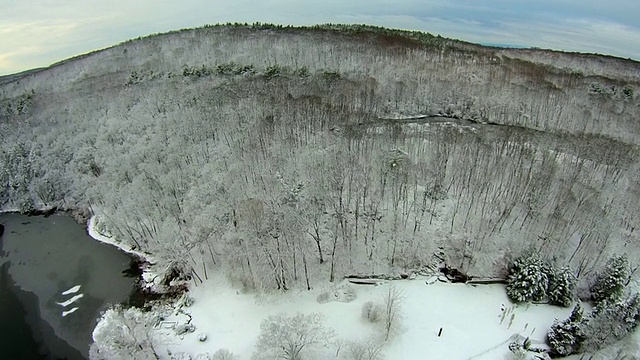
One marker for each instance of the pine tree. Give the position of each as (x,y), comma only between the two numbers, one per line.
(566,337)
(562,287)
(528,279)
(630,313)
(611,321)
(610,283)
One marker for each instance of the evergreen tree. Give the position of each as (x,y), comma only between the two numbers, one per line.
(528,279)
(566,337)
(562,287)
(611,321)
(610,283)
(624,315)
(631,313)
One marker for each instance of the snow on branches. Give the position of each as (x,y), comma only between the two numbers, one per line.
(533,279)
(289,337)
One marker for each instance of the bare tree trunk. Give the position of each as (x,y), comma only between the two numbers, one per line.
(333,255)
(316,238)
(306,272)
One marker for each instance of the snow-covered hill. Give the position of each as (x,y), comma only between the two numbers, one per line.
(285,158)
(199,143)
(264,151)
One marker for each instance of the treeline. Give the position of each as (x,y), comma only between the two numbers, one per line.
(424,38)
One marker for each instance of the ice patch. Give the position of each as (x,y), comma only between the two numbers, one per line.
(67,312)
(73,290)
(70,301)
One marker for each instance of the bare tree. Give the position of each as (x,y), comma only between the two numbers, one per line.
(366,349)
(287,338)
(124,333)
(392,324)
(223,354)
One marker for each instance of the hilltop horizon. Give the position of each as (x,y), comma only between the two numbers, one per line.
(38,34)
(364,26)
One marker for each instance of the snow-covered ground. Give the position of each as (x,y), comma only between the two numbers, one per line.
(476,321)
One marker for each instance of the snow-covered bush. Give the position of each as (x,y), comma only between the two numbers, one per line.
(609,284)
(343,293)
(324,297)
(517,351)
(185,328)
(288,337)
(371,311)
(186,300)
(562,287)
(223,354)
(181,356)
(528,279)
(566,337)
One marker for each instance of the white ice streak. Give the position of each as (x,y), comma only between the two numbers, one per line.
(67,312)
(70,301)
(73,290)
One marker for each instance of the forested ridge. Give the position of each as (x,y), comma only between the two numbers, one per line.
(288,156)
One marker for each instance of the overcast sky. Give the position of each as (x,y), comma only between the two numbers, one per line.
(35,33)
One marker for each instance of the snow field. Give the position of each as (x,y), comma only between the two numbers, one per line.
(476,321)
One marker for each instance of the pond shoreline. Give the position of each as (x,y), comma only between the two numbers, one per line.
(136,269)
(79,214)
(86,218)
(48,256)
(146,273)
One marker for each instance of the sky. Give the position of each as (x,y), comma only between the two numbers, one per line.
(37,33)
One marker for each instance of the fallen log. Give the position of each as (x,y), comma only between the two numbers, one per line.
(365,281)
(375,276)
(486,281)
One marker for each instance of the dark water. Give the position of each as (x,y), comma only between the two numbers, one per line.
(40,258)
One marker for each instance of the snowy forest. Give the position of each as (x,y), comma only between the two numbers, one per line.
(285,157)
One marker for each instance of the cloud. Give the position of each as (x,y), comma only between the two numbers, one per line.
(580,35)
(41,32)
(24,42)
